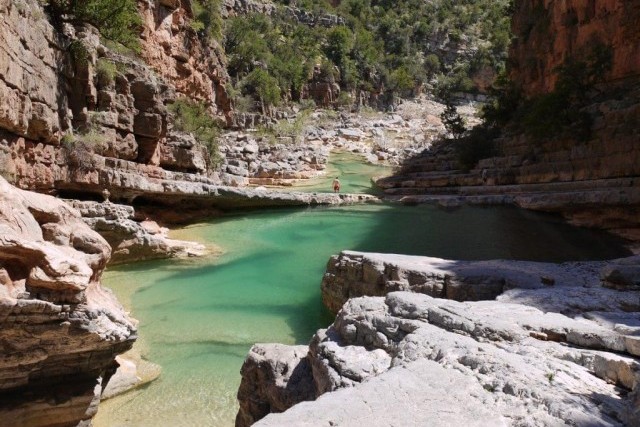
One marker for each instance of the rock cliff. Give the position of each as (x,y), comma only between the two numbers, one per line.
(61,330)
(589,172)
(75,115)
(547,32)
(557,346)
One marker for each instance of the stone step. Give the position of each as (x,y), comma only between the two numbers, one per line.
(629,186)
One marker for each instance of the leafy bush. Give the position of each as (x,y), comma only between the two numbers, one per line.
(79,52)
(193,117)
(477,145)
(117,20)
(453,122)
(105,72)
(382,45)
(292,129)
(264,86)
(207,18)
(560,111)
(80,149)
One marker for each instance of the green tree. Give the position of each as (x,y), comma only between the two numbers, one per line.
(207,16)
(340,42)
(452,121)
(117,20)
(264,86)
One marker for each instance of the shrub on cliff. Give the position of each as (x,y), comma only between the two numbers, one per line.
(559,112)
(207,18)
(105,72)
(193,117)
(79,149)
(117,20)
(264,87)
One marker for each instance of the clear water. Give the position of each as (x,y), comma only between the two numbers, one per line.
(198,319)
(355,175)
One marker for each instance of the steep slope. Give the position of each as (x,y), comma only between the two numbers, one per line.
(579,158)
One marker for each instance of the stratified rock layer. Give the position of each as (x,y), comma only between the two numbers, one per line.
(133,240)
(589,173)
(60,329)
(555,347)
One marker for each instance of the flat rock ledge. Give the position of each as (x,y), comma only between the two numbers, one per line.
(554,344)
(60,330)
(133,240)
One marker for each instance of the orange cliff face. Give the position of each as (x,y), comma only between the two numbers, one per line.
(547,32)
(172,48)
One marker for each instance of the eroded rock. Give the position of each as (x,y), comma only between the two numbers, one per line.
(538,355)
(60,329)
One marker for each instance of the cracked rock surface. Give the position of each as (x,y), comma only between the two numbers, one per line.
(563,350)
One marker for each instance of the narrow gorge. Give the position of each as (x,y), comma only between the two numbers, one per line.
(175,161)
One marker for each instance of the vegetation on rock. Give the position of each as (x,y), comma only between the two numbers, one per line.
(392,47)
(194,118)
(207,18)
(117,20)
(559,111)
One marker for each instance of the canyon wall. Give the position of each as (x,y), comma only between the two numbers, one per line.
(589,169)
(66,127)
(547,32)
(60,329)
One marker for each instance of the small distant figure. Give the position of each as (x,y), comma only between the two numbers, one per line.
(484,176)
(336,185)
(105,195)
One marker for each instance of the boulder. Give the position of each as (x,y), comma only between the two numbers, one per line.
(274,378)
(60,329)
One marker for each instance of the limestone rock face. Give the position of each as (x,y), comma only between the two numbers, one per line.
(173,49)
(555,347)
(274,378)
(60,329)
(31,86)
(354,274)
(548,32)
(132,240)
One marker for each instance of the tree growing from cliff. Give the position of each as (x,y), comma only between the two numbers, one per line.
(265,87)
(194,118)
(117,20)
(452,121)
(207,16)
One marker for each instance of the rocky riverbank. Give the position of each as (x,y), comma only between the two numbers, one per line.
(61,330)
(550,344)
(280,156)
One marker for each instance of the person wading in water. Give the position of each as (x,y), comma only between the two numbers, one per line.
(336,185)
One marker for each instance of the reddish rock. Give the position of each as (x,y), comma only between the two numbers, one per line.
(547,32)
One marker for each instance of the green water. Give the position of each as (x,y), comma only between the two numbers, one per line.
(355,176)
(198,319)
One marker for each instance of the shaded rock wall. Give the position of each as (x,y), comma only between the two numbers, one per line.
(587,173)
(547,32)
(60,329)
